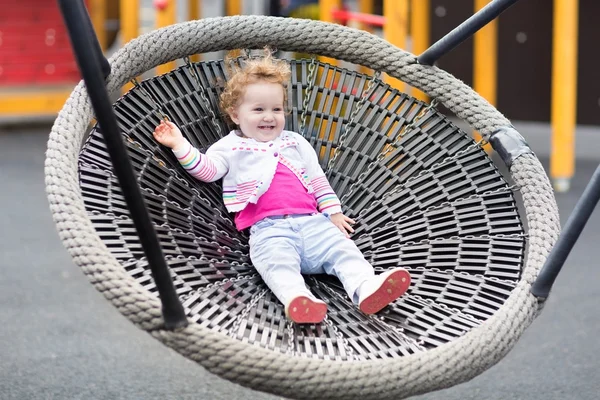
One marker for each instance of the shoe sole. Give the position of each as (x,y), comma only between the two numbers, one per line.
(393,287)
(303,310)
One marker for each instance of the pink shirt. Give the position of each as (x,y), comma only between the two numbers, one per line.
(286,195)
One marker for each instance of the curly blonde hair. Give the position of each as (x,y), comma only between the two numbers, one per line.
(262,69)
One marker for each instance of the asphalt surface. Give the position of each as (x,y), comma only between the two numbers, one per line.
(60,339)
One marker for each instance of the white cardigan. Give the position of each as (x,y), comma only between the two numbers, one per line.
(248,166)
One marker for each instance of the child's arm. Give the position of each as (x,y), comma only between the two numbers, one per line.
(327,200)
(208,167)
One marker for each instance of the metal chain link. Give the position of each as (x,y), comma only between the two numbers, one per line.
(161,113)
(455,156)
(512,188)
(238,320)
(441,240)
(184,297)
(311,84)
(291,343)
(407,128)
(144,150)
(344,340)
(374,319)
(345,131)
(349,350)
(203,96)
(401,336)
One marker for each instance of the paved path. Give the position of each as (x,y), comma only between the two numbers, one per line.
(61,340)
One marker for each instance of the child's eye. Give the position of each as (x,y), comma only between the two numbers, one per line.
(278,109)
(258,109)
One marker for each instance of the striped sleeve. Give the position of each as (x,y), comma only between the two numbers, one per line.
(207,167)
(327,200)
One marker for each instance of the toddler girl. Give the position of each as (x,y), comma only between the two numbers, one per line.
(274,184)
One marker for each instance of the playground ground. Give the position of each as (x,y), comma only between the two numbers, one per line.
(62,340)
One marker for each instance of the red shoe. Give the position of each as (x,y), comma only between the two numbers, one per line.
(306,310)
(378,292)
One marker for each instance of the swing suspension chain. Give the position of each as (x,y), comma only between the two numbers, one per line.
(405,130)
(343,340)
(291,334)
(478,144)
(503,189)
(390,147)
(202,91)
(309,89)
(184,297)
(161,112)
(238,320)
(368,92)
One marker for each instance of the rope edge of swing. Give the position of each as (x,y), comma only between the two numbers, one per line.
(255,367)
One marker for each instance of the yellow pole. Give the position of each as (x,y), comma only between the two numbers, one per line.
(366,7)
(129,25)
(130,19)
(194,13)
(233,7)
(164,17)
(485,64)
(419,23)
(97,12)
(325,8)
(395,30)
(485,58)
(564,93)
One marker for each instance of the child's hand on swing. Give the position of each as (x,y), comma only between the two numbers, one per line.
(343,223)
(168,134)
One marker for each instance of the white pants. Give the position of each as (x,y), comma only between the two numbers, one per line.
(282,249)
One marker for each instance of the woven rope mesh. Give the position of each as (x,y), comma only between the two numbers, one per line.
(424,194)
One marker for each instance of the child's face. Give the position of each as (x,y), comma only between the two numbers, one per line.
(260,114)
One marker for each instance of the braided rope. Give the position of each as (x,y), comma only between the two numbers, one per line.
(252,366)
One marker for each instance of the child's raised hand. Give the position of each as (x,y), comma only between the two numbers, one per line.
(343,223)
(168,134)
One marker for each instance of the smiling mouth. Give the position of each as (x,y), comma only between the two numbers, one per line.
(266,127)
